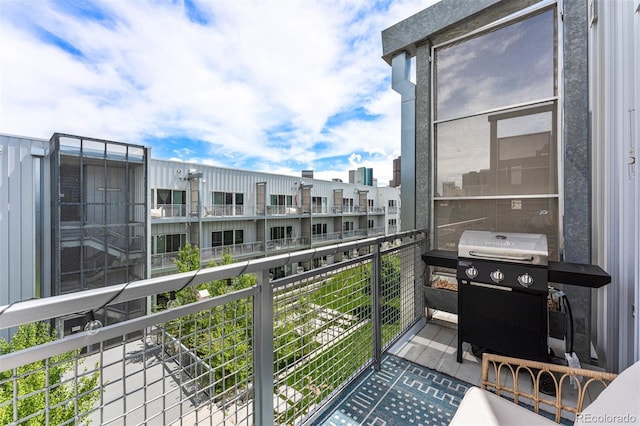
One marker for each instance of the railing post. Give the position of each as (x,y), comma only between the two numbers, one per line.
(376,316)
(263,351)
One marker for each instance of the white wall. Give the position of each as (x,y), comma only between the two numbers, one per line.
(18,218)
(614,38)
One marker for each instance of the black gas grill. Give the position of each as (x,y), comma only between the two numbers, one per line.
(502,293)
(502,289)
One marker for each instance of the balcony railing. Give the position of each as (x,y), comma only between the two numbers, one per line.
(355,233)
(259,352)
(168,260)
(286,210)
(160,211)
(221,210)
(323,238)
(287,243)
(374,232)
(376,209)
(235,250)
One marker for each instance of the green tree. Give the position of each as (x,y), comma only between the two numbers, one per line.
(39,385)
(220,336)
(188,258)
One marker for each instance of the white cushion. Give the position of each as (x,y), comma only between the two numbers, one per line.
(480,407)
(618,403)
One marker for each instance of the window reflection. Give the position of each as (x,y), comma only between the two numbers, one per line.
(537,216)
(495,141)
(507,66)
(509,153)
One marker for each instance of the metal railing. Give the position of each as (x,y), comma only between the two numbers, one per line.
(286,210)
(168,260)
(375,231)
(354,233)
(373,209)
(287,243)
(257,352)
(220,210)
(160,211)
(321,238)
(235,250)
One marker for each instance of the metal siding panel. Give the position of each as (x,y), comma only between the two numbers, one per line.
(4,220)
(168,228)
(27,224)
(13,220)
(46,228)
(16,199)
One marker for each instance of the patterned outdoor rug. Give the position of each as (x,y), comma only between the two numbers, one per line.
(401,393)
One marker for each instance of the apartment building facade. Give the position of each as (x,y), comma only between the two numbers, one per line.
(78,213)
(252,214)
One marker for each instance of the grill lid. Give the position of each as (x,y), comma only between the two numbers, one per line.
(509,247)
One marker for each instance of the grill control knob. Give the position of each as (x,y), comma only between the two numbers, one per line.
(497,276)
(471,272)
(525,280)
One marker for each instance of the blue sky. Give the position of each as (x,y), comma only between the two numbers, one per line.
(276,86)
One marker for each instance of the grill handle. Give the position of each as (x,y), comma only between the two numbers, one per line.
(500,256)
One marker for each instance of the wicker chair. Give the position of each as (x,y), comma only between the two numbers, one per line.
(535,372)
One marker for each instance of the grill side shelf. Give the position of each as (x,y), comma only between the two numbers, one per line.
(581,275)
(578,274)
(444,258)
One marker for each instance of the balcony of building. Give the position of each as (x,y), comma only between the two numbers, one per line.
(165,211)
(222,210)
(162,213)
(354,233)
(251,351)
(376,210)
(343,343)
(167,261)
(162,263)
(376,231)
(326,238)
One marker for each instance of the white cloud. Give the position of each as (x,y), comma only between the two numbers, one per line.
(253,68)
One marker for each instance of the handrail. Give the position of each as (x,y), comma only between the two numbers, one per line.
(266,324)
(22,312)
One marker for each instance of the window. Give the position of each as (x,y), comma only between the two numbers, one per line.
(239,236)
(228,237)
(318,228)
(392,222)
(216,239)
(227,203)
(496,147)
(172,201)
(347,226)
(281,204)
(239,203)
(281,200)
(392,203)
(347,205)
(281,232)
(370,223)
(170,243)
(319,204)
